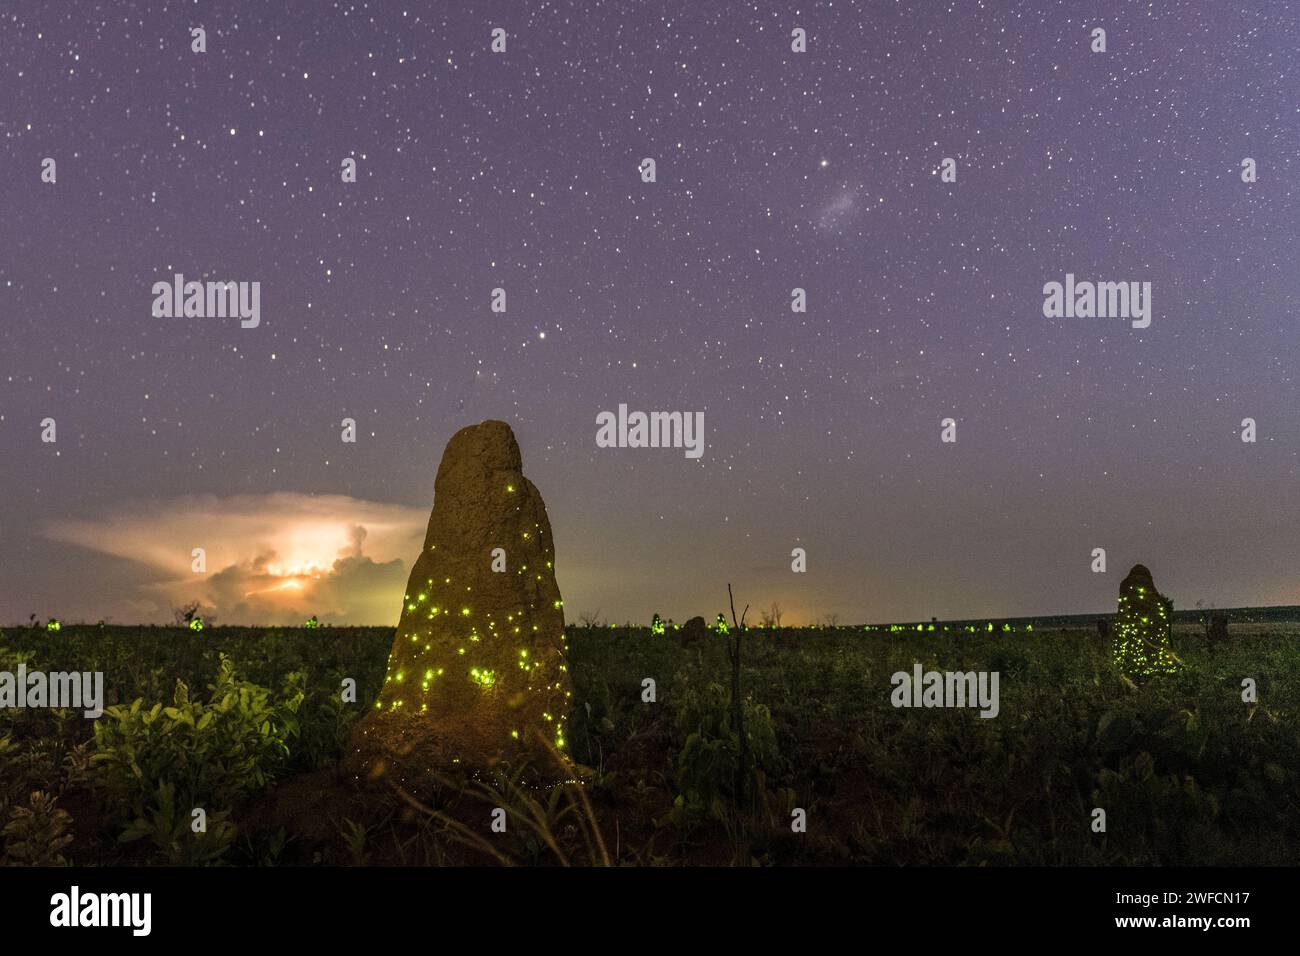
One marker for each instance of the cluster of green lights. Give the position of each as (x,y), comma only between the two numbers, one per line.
(312,622)
(196,624)
(559,728)
(657,625)
(720,625)
(987,627)
(481,631)
(1141,646)
(53,625)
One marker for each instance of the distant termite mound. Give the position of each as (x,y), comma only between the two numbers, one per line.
(477,672)
(1143,628)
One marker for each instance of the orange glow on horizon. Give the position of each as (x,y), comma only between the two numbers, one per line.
(293,584)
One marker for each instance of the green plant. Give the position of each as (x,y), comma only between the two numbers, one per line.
(708,766)
(169,825)
(354,836)
(266,847)
(37,834)
(324,721)
(214,752)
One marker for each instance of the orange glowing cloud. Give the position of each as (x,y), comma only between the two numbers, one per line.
(268,559)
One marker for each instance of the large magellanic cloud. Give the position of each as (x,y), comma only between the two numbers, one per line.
(270,559)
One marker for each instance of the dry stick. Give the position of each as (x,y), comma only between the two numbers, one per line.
(538,822)
(565,765)
(586,832)
(737,706)
(532,813)
(463,832)
(572,806)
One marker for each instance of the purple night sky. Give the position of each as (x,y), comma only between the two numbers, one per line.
(775,170)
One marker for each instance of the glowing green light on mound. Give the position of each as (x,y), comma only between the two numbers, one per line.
(196,624)
(53,626)
(510,488)
(1140,647)
(720,625)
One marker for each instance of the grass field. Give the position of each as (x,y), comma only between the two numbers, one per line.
(248,724)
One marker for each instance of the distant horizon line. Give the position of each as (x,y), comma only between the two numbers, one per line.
(895,623)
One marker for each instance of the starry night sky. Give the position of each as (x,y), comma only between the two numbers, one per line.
(775,170)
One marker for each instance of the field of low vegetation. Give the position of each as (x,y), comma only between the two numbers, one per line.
(248,724)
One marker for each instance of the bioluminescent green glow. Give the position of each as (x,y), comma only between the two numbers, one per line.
(1143,628)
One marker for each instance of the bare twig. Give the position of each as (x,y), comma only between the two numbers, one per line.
(462,832)
(737,706)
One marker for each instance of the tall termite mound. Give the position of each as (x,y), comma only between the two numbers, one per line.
(477,671)
(1143,628)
